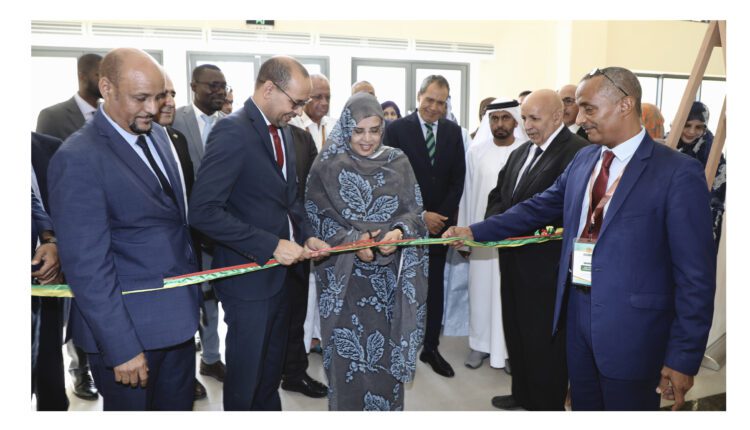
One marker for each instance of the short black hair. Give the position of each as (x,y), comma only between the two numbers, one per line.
(199,70)
(524,93)
(88,62)
(620,80)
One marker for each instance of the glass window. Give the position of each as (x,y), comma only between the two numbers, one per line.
(389,83)
(649,88)
(712,94)
(672,91)
(58,86)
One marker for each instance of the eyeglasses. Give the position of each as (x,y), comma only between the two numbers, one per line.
(598,71)
(296,104)
(216,86)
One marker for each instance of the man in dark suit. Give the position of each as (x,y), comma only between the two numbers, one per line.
(245,199)
(637,270)
(570,110)
(540,377)
(119,214)
(294,376)
(195,122)
(62,120)
(435,149)
(179,148)
(50,371)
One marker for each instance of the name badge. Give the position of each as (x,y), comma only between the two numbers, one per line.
(582,253)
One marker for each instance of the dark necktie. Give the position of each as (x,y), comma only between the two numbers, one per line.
(277,144)
(537,153)
(141,142)
(430,143)
(600,188)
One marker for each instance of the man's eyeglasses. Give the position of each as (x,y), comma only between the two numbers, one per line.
(216,86)
(598,71)
(296,104)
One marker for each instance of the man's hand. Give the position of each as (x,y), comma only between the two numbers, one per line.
(50,270)
(673,386)
(435,222)
(394,234)
(313,245)
(133,372)
(366,254)
(464,232)
(288,253)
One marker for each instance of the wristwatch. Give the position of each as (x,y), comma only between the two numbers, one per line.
(50,239)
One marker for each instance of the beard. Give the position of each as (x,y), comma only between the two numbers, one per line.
(501,133)
(135,129)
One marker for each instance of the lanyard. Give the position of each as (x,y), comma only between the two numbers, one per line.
(603,201)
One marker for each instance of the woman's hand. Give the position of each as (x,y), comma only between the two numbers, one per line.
(366,254)
(395,234)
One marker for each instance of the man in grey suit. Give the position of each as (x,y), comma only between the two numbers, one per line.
(62,120)
(195,121)
(65,118)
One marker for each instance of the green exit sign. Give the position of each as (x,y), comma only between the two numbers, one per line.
(264,22)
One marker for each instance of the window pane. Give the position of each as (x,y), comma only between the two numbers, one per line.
(312,68)
(58,86)
(712,95)
(648,89)
(454,80)
(240,75)
(672,93)
(389,83)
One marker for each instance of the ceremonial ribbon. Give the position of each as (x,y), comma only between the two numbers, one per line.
(549,234)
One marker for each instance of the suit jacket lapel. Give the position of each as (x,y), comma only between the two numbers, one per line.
(420,144)
(193,131)
(630,176)
(259,124)
(168,160)
(544,160)
(583,176)
(75,116)
(125,152)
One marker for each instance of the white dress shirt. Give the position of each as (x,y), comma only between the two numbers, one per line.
(201,123)
(623,153)
(86,109)
(326,125)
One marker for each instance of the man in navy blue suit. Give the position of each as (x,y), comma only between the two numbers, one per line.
(245,198)
(435,149)
(119,213)
(638,268)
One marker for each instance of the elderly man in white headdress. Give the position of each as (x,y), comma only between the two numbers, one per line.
(499,134)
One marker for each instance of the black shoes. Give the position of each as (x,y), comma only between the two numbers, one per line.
(199,391)
(505,402)
(214,370)
(437,362)
(305,385)
(84,388)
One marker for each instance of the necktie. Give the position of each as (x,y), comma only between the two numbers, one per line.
(277,144)
(209,120)
(430,143)
(537,153)
(600,188)
(141,142)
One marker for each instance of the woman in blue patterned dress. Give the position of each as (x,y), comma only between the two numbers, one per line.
(372,302)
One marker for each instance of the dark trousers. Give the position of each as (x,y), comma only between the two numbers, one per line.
(79,364)
(539,377)
(171,376)
(435,296)
(49,386)
(255,343)
(589,389)
(297,285)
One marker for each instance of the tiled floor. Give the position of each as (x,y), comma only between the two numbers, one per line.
(469,390)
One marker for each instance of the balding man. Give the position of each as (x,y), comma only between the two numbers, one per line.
(637,291)
(245,199)
(119,212)
(315,117)
(539,378)
(363,86)
(570,109)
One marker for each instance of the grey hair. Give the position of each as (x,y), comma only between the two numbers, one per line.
(439,79)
